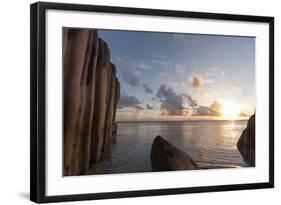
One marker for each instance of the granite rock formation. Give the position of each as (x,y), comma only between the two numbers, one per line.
(246,143)
(91,92)
(166,157)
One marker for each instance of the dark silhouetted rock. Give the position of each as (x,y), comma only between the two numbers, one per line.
(91,93)
(166,157)
(246,143)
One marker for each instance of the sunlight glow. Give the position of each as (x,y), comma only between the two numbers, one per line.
(230,111)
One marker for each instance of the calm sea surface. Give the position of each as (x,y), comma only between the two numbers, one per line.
(209,143)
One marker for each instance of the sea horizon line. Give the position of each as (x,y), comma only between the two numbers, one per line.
(202,120)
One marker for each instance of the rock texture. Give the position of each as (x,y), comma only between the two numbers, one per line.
(166,157)
(91,93)
(114,132)
(246,143)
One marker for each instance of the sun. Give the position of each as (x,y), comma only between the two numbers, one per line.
(230,111)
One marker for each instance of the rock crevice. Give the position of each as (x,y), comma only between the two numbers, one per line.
(91,92)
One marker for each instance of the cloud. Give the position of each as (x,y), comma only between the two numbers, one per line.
(129,115)
(132,77)
(129,107)
(214,71)
(163,76)
(209,74)
(138,107)
(236,86)
(192,102)
(215,109)
(197,80)
(146,88)
(173,84)
(171,102)
(205,94)
(149,107)
(118,58)
(202,111)
(129,101)
(159,56)
(162,62)
(180,68)
(243,114)
(187,40)
(141,65)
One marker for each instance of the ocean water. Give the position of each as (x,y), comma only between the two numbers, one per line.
(209,143)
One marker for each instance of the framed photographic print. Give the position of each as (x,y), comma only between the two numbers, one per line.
(129,102)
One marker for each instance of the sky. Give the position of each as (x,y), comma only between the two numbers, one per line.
(169,76)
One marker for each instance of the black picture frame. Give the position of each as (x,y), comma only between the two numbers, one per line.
(38,101)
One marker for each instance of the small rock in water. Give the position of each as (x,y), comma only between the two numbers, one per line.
(166,157)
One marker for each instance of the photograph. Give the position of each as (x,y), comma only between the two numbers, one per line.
(144,101)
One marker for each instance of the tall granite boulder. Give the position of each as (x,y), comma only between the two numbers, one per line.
(246,143)
(166,157)
(91,92)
